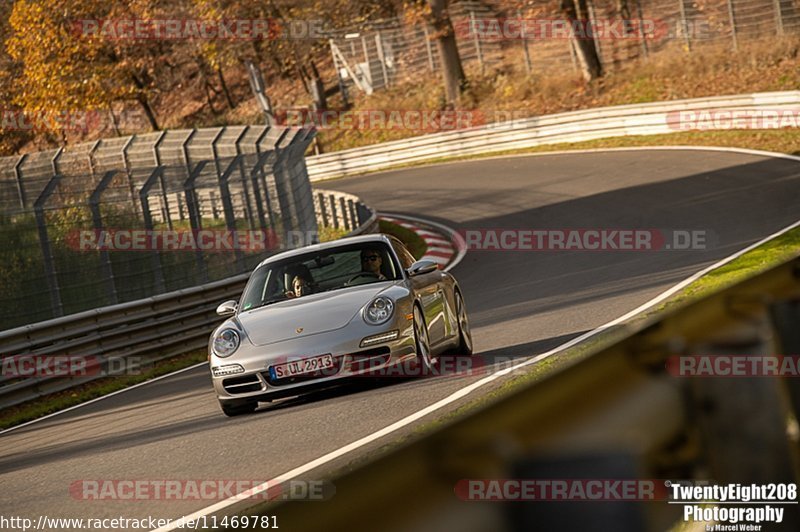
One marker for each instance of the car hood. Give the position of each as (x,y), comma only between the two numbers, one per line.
(315,313)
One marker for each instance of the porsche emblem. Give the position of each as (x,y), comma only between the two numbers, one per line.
(298,330)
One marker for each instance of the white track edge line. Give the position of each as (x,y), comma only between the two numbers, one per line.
(221,505)
(73,407)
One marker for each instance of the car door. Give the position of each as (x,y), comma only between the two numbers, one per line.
(430,289)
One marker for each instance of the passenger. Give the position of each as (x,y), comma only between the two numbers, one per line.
(301,285)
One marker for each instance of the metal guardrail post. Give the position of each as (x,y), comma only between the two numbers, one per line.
(345,219)
(97,222)
(323,211)
(195,216)
(335,215)
(158,273)
(47,252)
(18,178)
(353,216)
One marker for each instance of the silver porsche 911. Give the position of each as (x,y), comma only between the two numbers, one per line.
(314,315)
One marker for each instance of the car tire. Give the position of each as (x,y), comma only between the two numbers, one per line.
(421,342)
(464,347)
(237,408)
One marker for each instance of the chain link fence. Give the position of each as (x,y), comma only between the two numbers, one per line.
(490,35)
(126,218)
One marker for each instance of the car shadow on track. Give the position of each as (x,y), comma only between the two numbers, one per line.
(447,366)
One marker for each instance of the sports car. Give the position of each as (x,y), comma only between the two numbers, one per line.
(313,316)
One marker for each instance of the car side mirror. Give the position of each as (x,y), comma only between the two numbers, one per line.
(422,267)
(228,308)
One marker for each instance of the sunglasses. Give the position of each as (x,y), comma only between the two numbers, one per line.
(370,257)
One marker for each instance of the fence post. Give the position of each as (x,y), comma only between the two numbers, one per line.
(528,66)
(90,156)
(642,36)
(158,273)
(129,173)
(195,216)
(342,87)
(18,178)
(161,182)
(428,48)
(732,18)
(476,40)
(778,16)
(187,163)
(258,172)
(684,26)
(230,216)
(256,193)
(382,58)
(47,252)
(97,221)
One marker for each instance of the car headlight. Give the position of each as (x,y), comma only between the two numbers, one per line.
(225,343)
(379,310)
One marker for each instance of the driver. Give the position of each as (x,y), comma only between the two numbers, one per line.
(371,262)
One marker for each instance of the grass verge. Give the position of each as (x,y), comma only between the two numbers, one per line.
(50,403)
(415,244)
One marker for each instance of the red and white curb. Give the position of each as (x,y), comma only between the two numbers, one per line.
(440,249)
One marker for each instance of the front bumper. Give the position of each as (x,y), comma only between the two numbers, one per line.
(350,360)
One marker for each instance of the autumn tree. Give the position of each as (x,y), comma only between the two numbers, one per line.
(455,81)
(64,69)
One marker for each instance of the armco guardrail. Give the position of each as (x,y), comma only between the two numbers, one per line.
(126,337)
(624,120)
(631,410)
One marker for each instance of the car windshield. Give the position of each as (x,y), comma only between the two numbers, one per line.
(321,271)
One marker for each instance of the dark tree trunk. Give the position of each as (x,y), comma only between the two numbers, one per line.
(148,111)
(318,89)
(585,48)
(225,91)
(455,82)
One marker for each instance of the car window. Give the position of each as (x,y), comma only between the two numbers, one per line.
(406,258)
(320,271)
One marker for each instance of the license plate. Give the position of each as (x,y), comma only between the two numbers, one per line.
(301,366)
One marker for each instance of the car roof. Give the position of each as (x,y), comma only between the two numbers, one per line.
(333,244)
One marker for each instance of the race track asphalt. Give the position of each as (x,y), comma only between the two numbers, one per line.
(520,302)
